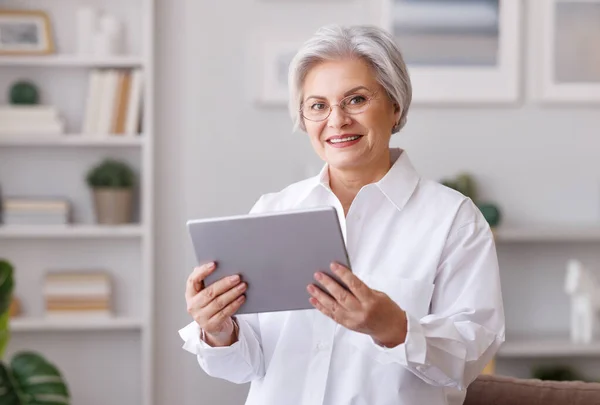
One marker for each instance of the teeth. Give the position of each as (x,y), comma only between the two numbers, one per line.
(348,139)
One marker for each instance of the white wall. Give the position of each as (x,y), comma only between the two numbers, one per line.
(217,152)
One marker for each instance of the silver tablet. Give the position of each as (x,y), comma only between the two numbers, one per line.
(276,254)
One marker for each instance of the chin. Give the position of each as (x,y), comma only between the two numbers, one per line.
(344,159)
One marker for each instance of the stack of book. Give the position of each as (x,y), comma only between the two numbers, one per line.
(30,120)
(114,102)
(35,211)
(77,294)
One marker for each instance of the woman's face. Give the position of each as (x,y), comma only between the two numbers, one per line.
(348,141)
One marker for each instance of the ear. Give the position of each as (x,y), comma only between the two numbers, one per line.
(397,113)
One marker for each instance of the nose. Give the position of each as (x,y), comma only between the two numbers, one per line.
(338,118)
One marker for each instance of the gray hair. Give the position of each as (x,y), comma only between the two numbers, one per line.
(372,44)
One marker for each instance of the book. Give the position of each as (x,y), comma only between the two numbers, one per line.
(76,293)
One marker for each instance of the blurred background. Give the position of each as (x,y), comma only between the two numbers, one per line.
(119,121)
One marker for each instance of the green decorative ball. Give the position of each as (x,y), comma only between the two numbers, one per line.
(24,92)
(491,213)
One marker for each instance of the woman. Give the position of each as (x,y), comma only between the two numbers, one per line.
(424,314)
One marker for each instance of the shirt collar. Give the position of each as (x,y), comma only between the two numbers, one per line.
(397,185)
(400,182)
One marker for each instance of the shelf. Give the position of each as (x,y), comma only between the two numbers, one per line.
(71,61)
(75,324)
(558,233)
(547,347)
(70,231)
(71,140)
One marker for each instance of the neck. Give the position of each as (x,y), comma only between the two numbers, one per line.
(346,183)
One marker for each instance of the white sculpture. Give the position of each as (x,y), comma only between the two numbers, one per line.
(584,290)
(98,33)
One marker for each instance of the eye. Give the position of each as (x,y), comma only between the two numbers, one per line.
(357,100)
(318,106)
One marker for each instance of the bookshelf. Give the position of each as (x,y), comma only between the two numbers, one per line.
(104,360)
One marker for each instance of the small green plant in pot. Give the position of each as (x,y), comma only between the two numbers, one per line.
(112,182)
(29,379)
(465,184)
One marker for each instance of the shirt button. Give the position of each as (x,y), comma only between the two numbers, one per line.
(322,346)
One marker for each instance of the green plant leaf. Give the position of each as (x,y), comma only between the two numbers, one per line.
(111,173)
(4,333)
(466,185)
(8,393)
(39,382)
(6,289)
(6,285)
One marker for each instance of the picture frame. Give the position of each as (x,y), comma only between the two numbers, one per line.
(275,59)
(25,32)
(438,84)
(567,49)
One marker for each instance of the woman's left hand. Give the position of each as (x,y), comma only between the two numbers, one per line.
(359,307)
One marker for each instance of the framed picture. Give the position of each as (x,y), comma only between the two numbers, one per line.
(568,45)
(458,51)
(25,32)
(276,58)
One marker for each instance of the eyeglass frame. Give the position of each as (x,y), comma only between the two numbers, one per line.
(369,99)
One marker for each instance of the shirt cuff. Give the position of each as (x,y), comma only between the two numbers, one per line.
(190,334)
(413,350)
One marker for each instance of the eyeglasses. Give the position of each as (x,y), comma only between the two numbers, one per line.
(320,110)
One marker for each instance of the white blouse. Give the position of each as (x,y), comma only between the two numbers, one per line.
(427,247)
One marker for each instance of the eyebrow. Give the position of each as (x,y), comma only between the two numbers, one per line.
(345,94)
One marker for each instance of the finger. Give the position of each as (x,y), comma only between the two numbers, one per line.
(315,303)
(325,300)
(223,300)
(227,312)
(344,297)
(360,290)
(212,291)
(194,281)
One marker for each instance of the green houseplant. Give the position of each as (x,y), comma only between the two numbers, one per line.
(465,184)
(112,182)
(28,379)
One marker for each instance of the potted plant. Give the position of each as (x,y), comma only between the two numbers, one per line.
(112,183)
(465,184)
(29,378)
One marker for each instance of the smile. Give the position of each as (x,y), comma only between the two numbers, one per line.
(343,140)
(346,139)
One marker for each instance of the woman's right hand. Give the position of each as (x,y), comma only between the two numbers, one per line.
(212,307)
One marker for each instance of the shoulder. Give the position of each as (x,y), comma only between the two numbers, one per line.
(287,198)
(449,203)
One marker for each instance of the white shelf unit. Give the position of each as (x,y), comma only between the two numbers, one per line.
(71,231)
(71,61)
(533,261)
(556,233)
(541,347)
(20,325)
(103,360)
(71,140)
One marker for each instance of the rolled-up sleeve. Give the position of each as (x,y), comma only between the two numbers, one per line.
(239,363)
(465,327)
